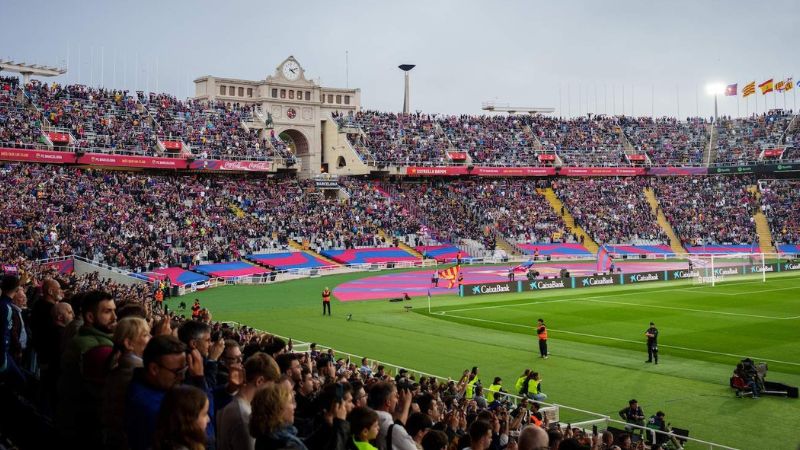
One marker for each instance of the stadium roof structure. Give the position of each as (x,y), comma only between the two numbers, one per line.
(506,107)
(30,69)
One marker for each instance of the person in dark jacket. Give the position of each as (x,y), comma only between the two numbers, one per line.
(165,365)
(272,419)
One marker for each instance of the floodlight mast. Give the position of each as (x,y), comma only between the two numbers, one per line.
(406,101)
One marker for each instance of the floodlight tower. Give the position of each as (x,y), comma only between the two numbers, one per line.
(406,103)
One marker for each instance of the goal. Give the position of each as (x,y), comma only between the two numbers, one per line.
(712,269)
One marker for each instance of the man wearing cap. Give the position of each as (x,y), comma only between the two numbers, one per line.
(652,343)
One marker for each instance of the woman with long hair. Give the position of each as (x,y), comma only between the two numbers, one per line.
(182,420)
(271,422)
(130,338)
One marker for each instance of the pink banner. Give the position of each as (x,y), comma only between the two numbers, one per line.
(601,171)
(547,157)
(99,159)
(46,156)
(513,171)
(244,166)
(415,171)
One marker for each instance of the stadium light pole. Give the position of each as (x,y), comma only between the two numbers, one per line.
(406,101)
(715,89)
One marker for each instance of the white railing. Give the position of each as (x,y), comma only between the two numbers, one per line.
(551,410)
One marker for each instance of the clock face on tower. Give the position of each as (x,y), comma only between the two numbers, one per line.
(291,70)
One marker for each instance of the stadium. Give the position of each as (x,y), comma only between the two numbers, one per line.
(269,261)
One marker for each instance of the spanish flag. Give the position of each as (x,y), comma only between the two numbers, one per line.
(766,87)
(749,89)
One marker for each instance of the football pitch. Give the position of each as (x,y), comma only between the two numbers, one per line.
(596,342)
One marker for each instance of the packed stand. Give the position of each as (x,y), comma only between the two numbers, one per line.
(611,210)
(709,210)
(779,201)
(666,140)
(98,118)
(498,140)
(390,138)
(452,211)
(212,130)
(133,221)
(19,127)
(741,140)
(582,141)
(321,222)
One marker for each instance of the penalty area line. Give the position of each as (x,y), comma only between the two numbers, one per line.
(611,338)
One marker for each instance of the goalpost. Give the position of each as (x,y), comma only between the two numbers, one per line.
(717,268)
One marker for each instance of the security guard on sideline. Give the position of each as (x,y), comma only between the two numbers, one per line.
(541,333)
(652,343)
(326,301)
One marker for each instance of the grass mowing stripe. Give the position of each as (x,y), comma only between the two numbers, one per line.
(519,325)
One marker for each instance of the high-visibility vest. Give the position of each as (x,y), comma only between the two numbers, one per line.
(493,389)
(520,383)
(542,333)
(326,296)
(470,391)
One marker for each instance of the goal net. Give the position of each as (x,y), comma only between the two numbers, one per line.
(712,269)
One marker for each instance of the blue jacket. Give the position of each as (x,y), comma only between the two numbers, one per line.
(9,372)
(141,412)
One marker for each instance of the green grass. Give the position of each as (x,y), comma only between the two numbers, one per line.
(596,343)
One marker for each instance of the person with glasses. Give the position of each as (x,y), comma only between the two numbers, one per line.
(165,365)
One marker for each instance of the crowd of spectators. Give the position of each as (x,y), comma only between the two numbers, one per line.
(109,370)
(779,202)
(211,129)
(109,120)
(742,139)
(456,210)
(18,126)
(583,141)
(666,140)
(611,210)
(709,210)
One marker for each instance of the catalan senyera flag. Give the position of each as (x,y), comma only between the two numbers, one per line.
(789,84)
(749,89)
(766,87)
(779,86)
(450,275)
(731,89)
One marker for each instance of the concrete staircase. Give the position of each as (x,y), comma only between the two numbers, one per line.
(555,202)
(710,152)
(505,245)
(300,247)
(762,225)
(400,244)
(674,241)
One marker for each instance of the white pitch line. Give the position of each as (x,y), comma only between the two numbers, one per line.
(627,340)
(594,299)
(693,310)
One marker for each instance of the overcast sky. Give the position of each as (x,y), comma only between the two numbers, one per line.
(577,57)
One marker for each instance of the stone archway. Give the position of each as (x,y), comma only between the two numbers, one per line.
(299,146)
